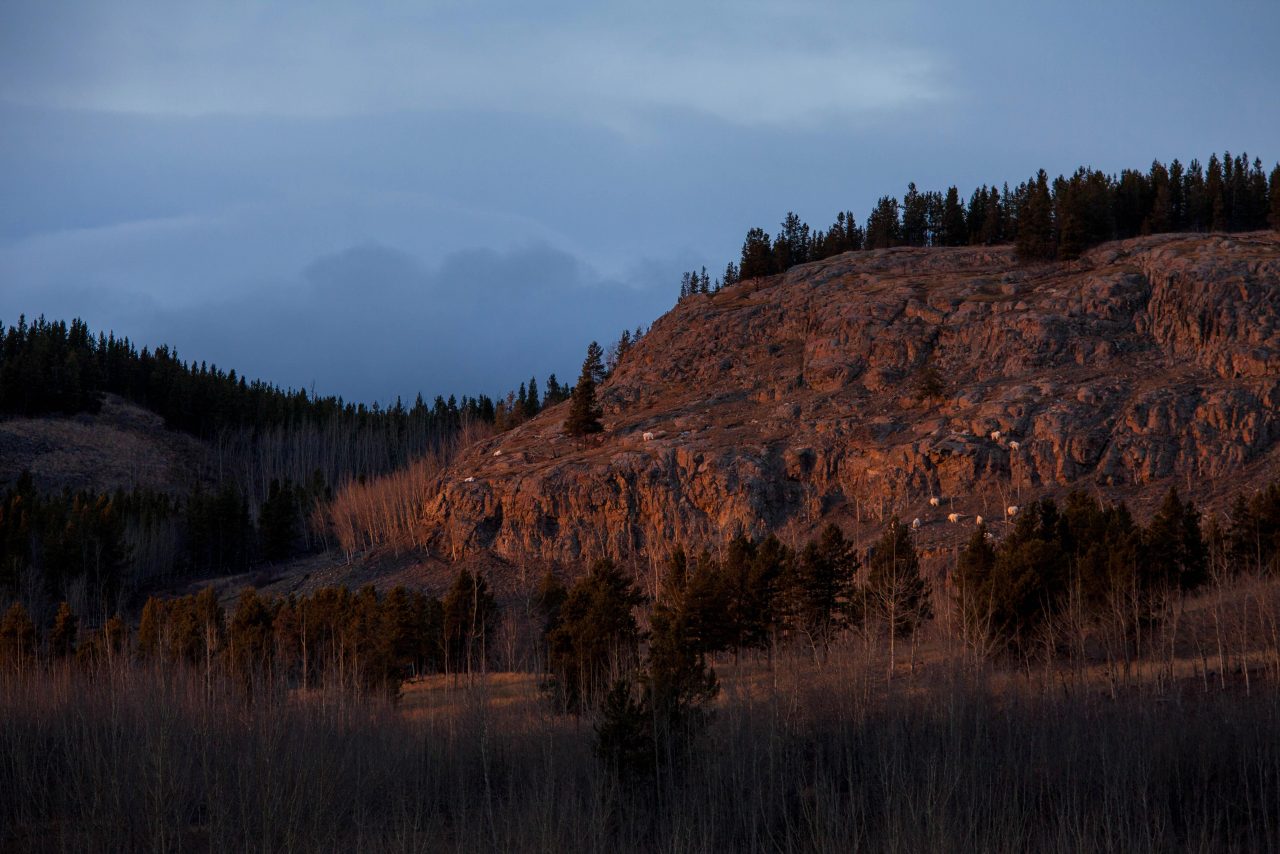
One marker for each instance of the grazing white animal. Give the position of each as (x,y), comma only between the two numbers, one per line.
(648,437)
(977,520)
(934,502)
(953,518)
(471,479)
(995,435)
(915,524)
(1011,510)
(498,453)
(1013,446)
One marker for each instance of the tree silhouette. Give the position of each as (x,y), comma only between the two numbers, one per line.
(584,414)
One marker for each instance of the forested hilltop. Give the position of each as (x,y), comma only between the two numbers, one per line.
(1044,219)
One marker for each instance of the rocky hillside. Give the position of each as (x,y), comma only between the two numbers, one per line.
(867,384)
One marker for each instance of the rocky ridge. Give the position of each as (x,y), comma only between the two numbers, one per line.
(780,404)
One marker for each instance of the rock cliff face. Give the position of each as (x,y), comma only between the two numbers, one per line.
(865,385)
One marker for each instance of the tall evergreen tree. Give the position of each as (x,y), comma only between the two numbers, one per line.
(895,589)
(584,414)
(954,228)
(469,616)
(1174,549)
(820,589)
(1274,216)
(17,637)
(594,639)
(62,639)
(883,227)
(757,256)
(1035,222)
(915,217)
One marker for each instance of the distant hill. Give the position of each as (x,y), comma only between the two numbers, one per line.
(862,385)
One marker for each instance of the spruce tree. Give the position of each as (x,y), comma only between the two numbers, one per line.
(469,615)
(954,228)
(757,256)
(820,589)
(883,227)
(895,588)
(17,637)
(1174,548)
(595,638)
(584,414)
(62,639)
(1274,216)
(915,216)
(1035,240)
(531,401)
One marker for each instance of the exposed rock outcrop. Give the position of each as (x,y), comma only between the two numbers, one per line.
(779,404)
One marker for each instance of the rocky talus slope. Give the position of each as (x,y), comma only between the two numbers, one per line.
(782,403)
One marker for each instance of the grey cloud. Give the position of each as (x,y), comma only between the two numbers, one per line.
(179,59)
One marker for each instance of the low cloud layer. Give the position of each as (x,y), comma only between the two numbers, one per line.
(373,322)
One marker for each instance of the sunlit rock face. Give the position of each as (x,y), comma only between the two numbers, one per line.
(861,386)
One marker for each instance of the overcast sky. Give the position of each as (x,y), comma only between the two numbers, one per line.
(379,199)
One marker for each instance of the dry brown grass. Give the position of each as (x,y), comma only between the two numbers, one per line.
(946,752)
(387,511)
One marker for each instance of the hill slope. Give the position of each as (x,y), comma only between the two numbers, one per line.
(782,403)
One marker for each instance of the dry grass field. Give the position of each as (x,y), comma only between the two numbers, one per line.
(1175,750)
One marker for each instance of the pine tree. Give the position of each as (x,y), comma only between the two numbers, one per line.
(1274,216)
(820,589)
(954,229)
(915,217)
(1215,193)
(974,570)
(595,638)
(883,228)
(584,414)
(895,588)
(250,643)
(531,404)
(757,256)
(469,615)
(1174,552)
(17,637)
(62,639)
(1035,240)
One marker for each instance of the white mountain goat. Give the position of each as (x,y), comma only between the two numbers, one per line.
(995,435)
(934,502)
(1011,510)
(648,437)
(471,479)
(1013,446)
(915,524)
(953,518)
(977,520)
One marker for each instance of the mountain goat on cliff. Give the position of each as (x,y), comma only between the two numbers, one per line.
(953,518)
(915,524)
(648,436)
(935,501)
(995,435)
(1013,446)
(977,520)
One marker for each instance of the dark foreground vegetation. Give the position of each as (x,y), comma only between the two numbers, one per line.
(1083,683)
(798,757)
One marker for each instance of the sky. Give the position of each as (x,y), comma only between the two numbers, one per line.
(375,200)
